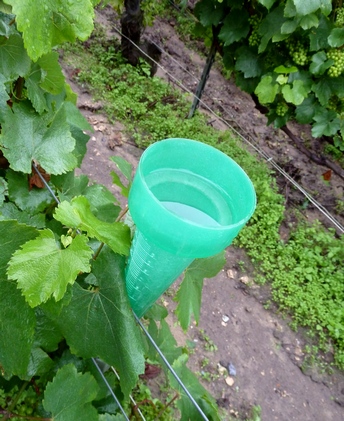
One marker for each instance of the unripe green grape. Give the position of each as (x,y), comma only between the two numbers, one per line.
(281,109)
(337,67)
(339,17)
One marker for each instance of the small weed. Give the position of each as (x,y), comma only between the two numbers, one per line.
(209,345)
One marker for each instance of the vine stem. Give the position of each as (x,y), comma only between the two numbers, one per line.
(119,217)
(163,409)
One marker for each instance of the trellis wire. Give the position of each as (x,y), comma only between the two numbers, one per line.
(248,139)
(144,331)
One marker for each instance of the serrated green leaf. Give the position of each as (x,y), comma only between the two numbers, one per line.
(10,211)
(77,214)
(105,313)
(4,97)
(81,140)
(102,203)
(290,26)
(201,395)
(118,182)
(68,185)
(68,397)
(306,111)
(12,236)
(306,7)
(209,13)
(267,3)
(34,91)
(14,61)
(75,117)
(319,63)
(309,21)
(189,295)
(40,363)
(318,36)
(42,269)
(323,90)
(53,80)
(3,190)
(109,417)
(249,62)
(17,325)
(32,201)
(266,90)
(294,94)
(327,123)
(270,27)
(47,334)
(167,343)
(336,38)
(124,166)
(45,24)
(235,27)
(286,70)
(6,29)
(27,136)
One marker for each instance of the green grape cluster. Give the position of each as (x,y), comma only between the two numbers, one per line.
(340,17)
(298,52)
(337,67)
(336,104)
(254,38)
(25,405)
(282,109)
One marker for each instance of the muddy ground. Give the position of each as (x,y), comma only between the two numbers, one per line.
(266,354)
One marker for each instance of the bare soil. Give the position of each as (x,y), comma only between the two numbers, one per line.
(266,354)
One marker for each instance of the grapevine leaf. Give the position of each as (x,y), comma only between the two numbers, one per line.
(319,63)
(165,340)
(33,201)
(34,91)
(105,313)
(81,140)
(78,214)
(271,27)
(10,211)
(249,62)
(235,27)
(266,90)
(290,26)
(74,116)
(53,80)
(12,236)
(309,21)
(109,417)
(26,136)
(306,111)
(209,13)
(189,294)
(323,91)
(200,394)
(14,60)
(336,38)
(3,190)
(17,322)
(6,28)
(102,203)
(307,7)
(45,24)
(118,182)
(326,124)
(68,397)
(267,3)
(42,269)
(47,334)
(4,97)
(318,36)
(295,94)
(69,186)
(124,166)
(40,363)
